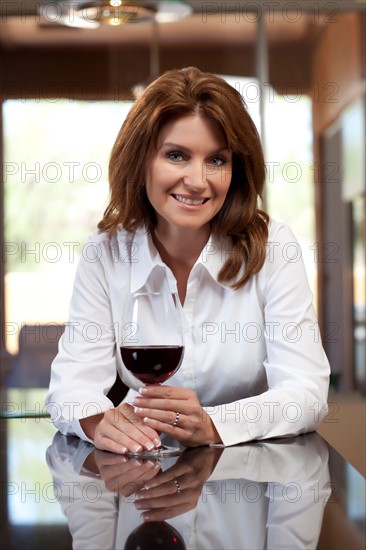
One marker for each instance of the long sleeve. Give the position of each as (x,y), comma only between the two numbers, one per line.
(85,367)
(296,367)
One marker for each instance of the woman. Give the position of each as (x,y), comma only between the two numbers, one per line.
(186,172)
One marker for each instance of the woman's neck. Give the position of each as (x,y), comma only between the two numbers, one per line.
(180,248)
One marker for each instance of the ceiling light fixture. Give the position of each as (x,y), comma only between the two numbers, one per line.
(90,14)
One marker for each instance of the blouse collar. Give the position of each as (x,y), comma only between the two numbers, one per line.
(145,259)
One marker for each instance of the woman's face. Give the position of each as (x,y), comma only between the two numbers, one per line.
(188,178)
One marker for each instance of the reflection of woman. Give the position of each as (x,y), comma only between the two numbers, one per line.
(186,173)
(263,495)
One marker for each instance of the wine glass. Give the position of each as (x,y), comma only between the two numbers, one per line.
(152,343)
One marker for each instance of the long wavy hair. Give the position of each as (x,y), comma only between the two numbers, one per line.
(180,93)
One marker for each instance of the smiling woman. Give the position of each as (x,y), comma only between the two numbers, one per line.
(186,174)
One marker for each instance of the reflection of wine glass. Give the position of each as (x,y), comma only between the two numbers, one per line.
(152,340)
(153,536)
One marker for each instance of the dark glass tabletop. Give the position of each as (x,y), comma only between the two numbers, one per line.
(59,492)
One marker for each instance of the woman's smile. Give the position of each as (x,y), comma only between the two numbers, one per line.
(190,201)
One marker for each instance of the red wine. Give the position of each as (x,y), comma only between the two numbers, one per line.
(152,364)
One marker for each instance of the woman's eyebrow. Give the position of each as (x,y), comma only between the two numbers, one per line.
(186,149)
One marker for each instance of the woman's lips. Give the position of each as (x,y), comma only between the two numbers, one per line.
(190,201)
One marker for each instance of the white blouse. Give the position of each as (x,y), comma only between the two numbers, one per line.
(253,356)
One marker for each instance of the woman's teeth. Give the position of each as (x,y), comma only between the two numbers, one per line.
(189,201)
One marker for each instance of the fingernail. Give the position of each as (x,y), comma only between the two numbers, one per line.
(138,505)
(145,516)
(136,409)
(149,446)
(142,391)
(137,448)
(157,443)
(124,450)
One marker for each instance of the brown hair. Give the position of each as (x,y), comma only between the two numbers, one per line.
(179,93)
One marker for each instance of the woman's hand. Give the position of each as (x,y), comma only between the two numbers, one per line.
(122,475)
(157,408)
(120,430)
(178,489)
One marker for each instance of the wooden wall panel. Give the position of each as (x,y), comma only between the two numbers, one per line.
(338,68)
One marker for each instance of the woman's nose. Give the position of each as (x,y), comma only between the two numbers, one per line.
(195,177)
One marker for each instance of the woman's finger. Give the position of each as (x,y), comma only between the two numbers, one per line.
(162,502)
(126,468)
(183,405)
(175,472)
(167,512)
(129,414)
(131,481)
(118,434)
(173,431)
(164,416)
(165,392)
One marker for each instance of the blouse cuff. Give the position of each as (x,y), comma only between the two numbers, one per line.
(80,432)
(231,426)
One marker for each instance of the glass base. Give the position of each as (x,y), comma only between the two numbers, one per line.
(157,453)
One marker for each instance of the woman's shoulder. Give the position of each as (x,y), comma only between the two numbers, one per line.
(119,247)
(121,236)
(282,247)
(279,232)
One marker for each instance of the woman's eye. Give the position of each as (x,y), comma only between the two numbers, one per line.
(218,161)
(175,155)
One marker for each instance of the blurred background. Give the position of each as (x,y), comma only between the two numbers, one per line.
(70,71)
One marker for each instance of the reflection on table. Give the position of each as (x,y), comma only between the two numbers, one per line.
(294,493)
(265,495)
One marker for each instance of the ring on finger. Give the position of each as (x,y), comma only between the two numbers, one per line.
(175,423)
(178,489)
